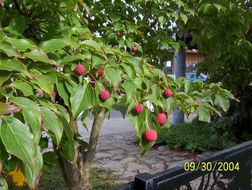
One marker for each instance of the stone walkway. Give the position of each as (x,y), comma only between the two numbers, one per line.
(118,153)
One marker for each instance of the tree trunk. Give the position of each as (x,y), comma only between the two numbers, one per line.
(76,174)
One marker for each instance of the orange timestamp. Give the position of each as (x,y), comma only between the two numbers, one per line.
(210,166)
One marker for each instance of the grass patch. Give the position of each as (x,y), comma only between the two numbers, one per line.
(53,180)
(103,180)
(194,137)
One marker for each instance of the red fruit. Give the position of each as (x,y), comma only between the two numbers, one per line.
(79,69)
(104,95)
(134,49)
(139,109)
(150,135)
(100,72)
(118,34)
(197,102)
(161,117)
(167,93)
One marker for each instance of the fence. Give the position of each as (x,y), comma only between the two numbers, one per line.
(229,169)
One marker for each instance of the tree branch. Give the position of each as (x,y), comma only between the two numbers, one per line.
(97,124)
(17,6)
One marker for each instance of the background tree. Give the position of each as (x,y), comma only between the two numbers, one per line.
(147,25)
(54,71)
(222,31)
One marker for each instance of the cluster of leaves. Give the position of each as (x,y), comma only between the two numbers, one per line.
(41,95)
(183,137)
(147,25)
(220,30)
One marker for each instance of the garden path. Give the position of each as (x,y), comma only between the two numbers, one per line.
(118,152)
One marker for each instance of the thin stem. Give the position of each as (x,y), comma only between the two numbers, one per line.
(135,99)
(1,167)
(147,122)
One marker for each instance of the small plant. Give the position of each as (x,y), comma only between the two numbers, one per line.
(194,137)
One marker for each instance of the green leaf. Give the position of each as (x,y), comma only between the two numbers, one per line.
(43,82)
(32,115)
(50,158)
(32,173)
(130,89)
(203,114)
(97,61)
(81,99)
(3,184)
(91,43)
(138,82)
(85,119)
(183,17)
(63,92)
(67,150)
(222,102)
(112,75)
(19,24)
(54,45)
(129,71)
(72,58)
(52,123)
(188,86)
(4,76)
(7,108)
(67,129)
(138,122)
(159,73)
(18,141)
(121,106)
(13,65)
(21,44)
(38,55)
(8,49)
(24,87)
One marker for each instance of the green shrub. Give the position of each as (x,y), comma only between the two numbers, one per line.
(194,137)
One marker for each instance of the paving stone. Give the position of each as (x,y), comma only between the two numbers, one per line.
(116,152)
(118,157)
(133,166)
(144,170)
(149,161)
(127,160)
(158,167)
(163,148)
(113,165)
(164,158)
(100,155)
(176,158)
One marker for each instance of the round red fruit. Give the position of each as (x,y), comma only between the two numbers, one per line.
(100,72)
(139,109)
(134,49)
(79,69)
(150,135)
(167,93)
(118,34)
(104,95)
(161,117)
(197,102)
